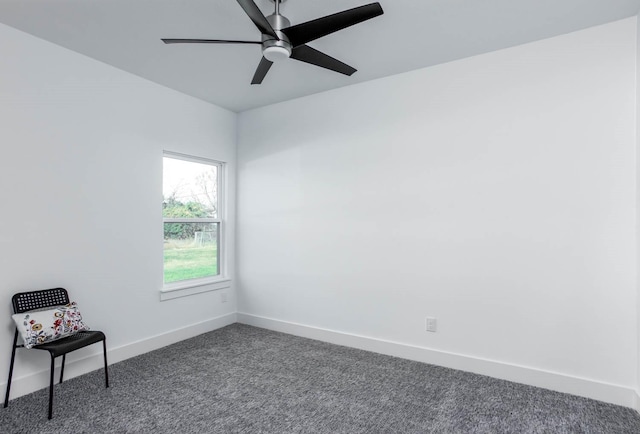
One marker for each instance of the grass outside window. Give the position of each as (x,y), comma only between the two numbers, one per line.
(185,260)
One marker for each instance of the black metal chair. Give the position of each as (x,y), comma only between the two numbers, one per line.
(48,298)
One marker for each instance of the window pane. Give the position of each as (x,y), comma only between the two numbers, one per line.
(189,189)
(190,251)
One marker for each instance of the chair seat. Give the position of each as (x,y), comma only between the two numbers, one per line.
(71,343)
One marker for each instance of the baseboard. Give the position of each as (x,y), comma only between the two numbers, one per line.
(22,385)
(606,392)
(636,401)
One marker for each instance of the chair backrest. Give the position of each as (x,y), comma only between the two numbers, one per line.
(25,301)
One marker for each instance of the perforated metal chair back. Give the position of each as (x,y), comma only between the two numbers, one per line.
(33,300)
(36,300)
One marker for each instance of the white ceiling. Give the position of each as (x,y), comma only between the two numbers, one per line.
(411,34)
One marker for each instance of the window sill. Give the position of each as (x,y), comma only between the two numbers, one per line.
(192,287)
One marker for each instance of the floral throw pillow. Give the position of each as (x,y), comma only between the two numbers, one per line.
(38,327)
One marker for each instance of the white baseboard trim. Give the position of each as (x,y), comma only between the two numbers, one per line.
(636,401)
(25,384)
(611,393)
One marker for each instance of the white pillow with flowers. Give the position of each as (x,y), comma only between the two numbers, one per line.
(39,327)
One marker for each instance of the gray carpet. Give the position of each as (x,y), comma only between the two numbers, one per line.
(242,379)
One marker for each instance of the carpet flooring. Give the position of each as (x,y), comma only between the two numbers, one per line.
(242,379)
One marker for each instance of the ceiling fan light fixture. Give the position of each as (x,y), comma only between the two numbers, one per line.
(281,40)
(276,53)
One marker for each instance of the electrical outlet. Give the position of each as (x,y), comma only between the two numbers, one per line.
(223,297)
(432,324)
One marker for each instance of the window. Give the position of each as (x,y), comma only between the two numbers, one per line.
(193,225)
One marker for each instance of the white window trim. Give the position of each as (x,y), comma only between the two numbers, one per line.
(188,287)
(192,287)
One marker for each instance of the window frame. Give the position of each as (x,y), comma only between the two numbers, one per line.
(203,284)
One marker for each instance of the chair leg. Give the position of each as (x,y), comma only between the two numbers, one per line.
(64,356)
(51,387)
(106,369)
(13,358)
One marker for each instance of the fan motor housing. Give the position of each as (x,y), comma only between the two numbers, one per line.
(276,49)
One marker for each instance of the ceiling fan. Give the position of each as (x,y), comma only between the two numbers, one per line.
(281,40)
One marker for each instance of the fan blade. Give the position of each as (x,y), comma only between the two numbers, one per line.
(311,30)
(261,71)
(304,53)
(207,41)
(257,17)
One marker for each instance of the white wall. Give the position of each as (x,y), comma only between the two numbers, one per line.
(81,195)
(637,404)
(496,193)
